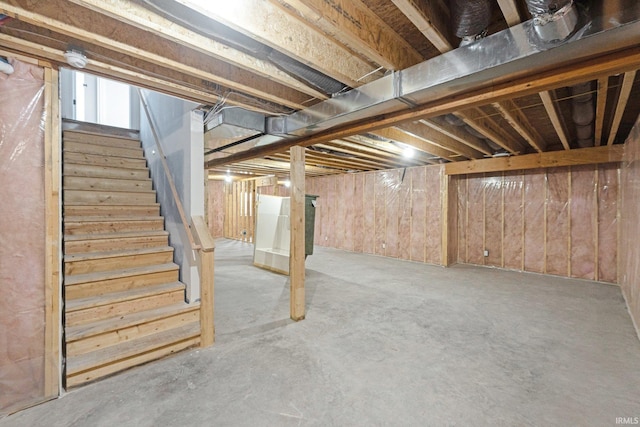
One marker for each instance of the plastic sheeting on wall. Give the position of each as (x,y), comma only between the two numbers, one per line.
(394,213)
(22,230)
(630,213)
(560,221)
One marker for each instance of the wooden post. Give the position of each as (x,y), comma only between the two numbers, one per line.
(52,362)
(207,250)
(296,258)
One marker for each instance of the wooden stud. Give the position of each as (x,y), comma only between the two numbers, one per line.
(510,12)
(544,226)
(522,220)
(556,119)
(623,98)
(502,187)
(484,219)
(429,19)
(596,210)
(444,217)
(52,357)
(578,156)
(296,260)
(570,186)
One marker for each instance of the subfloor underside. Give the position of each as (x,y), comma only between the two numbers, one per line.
(385,342)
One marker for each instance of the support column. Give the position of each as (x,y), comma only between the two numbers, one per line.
(296,258)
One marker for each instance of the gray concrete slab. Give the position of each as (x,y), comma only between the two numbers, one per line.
(385,342)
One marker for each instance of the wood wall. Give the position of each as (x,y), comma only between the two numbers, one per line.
(630,225)
(561,221)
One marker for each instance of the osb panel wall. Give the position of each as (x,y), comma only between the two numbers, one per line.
(215,208)
(630,225)
(560,221)
(394,213)
(22,227)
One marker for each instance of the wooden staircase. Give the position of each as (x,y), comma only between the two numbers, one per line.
(124,304)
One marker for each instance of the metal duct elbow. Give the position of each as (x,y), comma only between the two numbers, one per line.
(553,19)
(471,19)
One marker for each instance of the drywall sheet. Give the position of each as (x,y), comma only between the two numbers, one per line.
(22,227)
(630,212)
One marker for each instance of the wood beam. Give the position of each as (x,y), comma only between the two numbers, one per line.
(142,18)
(221,77)
(297,218)
(621,105)
(110,71)
(512,113)
(459,134)
(401,136)
(510,11)
(390,148)
(430,19)
(259,19)
(476,118)
(593,68)
(52,304)
(356,26)
(601,103)
(549,159)
(420,130)
(556,119)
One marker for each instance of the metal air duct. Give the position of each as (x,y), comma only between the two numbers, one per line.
(553,19)
(491,61)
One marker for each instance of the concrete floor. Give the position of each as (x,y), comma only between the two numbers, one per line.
(385,342)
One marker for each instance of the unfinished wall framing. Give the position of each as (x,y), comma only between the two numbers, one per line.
(239,215)
(30,362)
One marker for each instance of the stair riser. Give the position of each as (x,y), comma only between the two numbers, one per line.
(116,263)
(102,287)
(111,338)
(93,314)
(104,227)
(80,197)
(114,162)
(102,150)
(92,171)
(106,184)
(75,379)
(112,210)
(109,141)
(101,245)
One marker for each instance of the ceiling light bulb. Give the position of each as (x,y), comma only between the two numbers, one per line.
(287,183)
(228,178)
(408,152)
(75,59)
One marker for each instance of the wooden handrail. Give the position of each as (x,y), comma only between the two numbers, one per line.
(167,172)
(207,245)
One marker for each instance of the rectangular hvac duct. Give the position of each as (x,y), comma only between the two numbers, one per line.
(232,125)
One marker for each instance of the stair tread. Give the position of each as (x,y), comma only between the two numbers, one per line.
(104,133)
(127,349)
(75,333)
(116,253)
(75,279)
(115,297)
(122,235)
(84,219)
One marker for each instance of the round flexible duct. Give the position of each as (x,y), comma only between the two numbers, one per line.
(470,17)
(553,19)
(583,113)
(541,7)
